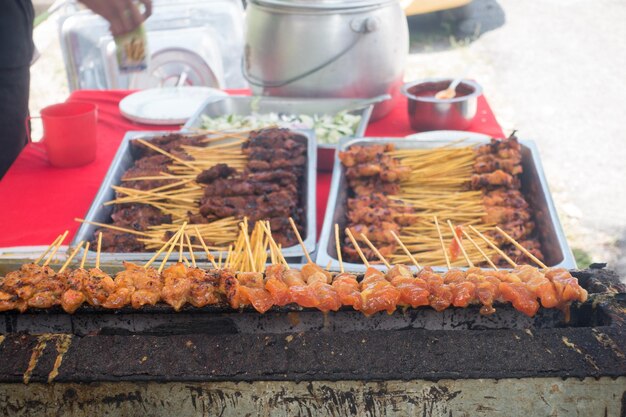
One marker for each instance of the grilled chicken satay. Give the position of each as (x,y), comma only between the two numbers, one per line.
(18,287)
(413,291)
(98,286)
(204,289)
(275,284)
(348,289)
(319,280)
(176,285)
(522,298)
(137,285)
(74,294)
(47,292)
(300,292)
(377,294)
(440,294)
(486,288)
(541,286)
(567,287)
(463,291)
(252,291)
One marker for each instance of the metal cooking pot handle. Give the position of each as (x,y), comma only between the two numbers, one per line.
(360,26)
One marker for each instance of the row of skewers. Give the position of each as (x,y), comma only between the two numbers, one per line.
(244,279)
(400,190)
(210,180)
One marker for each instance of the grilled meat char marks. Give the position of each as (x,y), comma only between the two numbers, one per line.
(267,189)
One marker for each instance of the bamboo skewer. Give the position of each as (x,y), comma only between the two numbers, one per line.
(487,258)
(338,245)
(169,155)
(82,261)
(295,230)
(181,243)
(69,259)
(43,255)
(520,247)
(406,250)
(172,246)
(244,230)
(56,248)
(112,227)
(358,249)
(266,226)
(376,251)
(443,246)
(193,257)
(458,242)
(208,254)
(156,255)
(99,250)
(494,247)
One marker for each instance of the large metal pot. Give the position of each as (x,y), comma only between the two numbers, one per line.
(326,48)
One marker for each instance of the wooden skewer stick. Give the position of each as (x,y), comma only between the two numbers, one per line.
(52,245)
(458,242)
(406,250)
(443,246)
(181,242)
(193,256)
(98,250)
(357,247)
(208,254)
(82,261)
(295,230)
(165,246)
(219,262)
(56,248)
(520,247)
(494,247)
(228,255)
(169,155)
(376,251)
(112,227)
(338,245)
(268,231)
(244,230)
(74,252)
(172,246)
(487,258)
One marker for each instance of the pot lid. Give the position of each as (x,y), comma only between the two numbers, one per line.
(322,4)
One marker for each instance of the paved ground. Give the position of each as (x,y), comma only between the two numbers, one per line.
(552,69)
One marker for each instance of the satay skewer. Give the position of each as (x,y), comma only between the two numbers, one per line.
(494,247)
(99,250)
(172,246)
(458,242)
(112,227)
(443,246)
(181,242)
(244,230)
(376,251)
(69,259)
(82,261)
(165,246)
(169,155)
(357,247)
(406,250)
(338,245)
(295,230)
(52,245)
(193,256)
(56,248)
(478,248)
(279,255)
(520,247)
(208,254)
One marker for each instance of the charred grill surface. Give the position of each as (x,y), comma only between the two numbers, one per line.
(216,343)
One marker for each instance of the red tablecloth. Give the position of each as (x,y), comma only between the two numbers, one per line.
(37,201)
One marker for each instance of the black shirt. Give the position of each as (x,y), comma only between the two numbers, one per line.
(16,33)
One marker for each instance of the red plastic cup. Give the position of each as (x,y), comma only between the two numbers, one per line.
(69,133)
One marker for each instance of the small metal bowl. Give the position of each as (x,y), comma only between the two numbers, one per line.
(429,113)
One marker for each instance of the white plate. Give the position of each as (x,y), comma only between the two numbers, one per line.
(166,106)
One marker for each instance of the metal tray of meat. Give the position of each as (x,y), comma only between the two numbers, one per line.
(534,187)
(124,159)
(246,105)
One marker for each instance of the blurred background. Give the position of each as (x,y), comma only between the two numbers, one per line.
(551,69)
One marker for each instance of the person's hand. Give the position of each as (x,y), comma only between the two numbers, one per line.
(123,15)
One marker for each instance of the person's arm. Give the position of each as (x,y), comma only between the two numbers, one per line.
(123,15)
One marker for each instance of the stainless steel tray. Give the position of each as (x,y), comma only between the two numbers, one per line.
(124,159)
(246,105)
(534,187)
